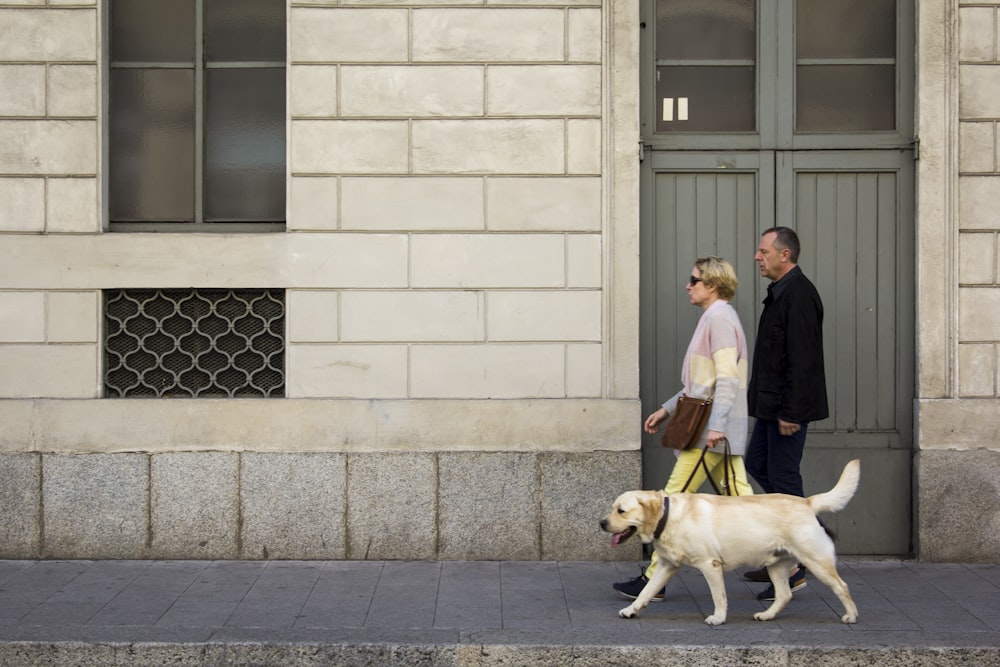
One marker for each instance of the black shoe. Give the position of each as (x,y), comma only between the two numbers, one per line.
(633,587)
(795,582)
(760,576)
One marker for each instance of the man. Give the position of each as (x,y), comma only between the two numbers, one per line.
(787,384)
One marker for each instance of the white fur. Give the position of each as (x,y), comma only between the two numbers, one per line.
(720,533)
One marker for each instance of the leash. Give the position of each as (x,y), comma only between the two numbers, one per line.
(727,471)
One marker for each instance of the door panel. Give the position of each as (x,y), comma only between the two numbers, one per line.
(857,241)
(853,218)
(877,520)
(852,215)
(699,204)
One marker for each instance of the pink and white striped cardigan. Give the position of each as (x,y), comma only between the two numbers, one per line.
(716,364)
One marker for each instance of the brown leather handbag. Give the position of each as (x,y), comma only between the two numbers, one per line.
(686,422)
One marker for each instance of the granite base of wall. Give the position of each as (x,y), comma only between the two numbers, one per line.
(249,505)
(958,501)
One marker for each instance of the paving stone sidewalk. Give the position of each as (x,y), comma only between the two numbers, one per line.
(477,613)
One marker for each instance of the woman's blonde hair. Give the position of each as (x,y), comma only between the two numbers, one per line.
(720,274)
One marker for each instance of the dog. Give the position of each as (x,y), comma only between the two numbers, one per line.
(720,533)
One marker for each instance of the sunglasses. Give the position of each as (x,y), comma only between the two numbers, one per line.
(692,281)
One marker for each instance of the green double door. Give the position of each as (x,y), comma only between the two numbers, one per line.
(749,123)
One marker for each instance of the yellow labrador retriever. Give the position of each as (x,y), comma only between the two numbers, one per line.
(720,533)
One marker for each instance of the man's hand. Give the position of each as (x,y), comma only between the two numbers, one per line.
(788,428)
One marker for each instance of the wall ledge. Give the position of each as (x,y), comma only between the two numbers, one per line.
(958,424)
(311,425)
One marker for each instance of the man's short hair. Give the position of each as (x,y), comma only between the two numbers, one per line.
(786,239)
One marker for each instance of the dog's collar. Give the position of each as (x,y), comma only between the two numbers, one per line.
(663,519)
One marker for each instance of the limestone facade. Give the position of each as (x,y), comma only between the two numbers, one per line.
(957,463)
(455,354)
(461,274)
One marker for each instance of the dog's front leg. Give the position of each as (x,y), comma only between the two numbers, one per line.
(661,575)
(712,572)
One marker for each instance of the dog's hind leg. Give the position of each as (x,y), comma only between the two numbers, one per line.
(826,571)
(779,573)
(661,575)
(712,571)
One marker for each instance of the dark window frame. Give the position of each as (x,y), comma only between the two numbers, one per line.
(136,187)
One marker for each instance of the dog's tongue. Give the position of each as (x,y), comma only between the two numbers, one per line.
(616,539)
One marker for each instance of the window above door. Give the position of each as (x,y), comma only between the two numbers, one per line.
(706,66)
(777,73)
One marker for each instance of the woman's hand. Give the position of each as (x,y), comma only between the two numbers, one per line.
(653,421)
(712,438)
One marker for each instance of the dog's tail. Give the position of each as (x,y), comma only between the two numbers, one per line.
(837,498)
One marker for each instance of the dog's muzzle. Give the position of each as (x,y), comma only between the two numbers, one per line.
(618,538)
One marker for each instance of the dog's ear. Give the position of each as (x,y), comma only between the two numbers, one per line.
(652,509)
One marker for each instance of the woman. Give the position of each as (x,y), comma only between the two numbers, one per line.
(715,365)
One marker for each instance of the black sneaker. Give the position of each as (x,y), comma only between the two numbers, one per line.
(795,582)
(633,587)
(760,576)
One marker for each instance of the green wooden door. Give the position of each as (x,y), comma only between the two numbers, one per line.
(841,176)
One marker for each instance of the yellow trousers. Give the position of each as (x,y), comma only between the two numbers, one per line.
(688,462)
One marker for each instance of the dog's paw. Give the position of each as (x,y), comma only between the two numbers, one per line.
(628,612)
(849,618)
(763,616)
(716,619)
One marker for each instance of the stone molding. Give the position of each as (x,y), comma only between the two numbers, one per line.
(318,425)
(959,424)
(937,221)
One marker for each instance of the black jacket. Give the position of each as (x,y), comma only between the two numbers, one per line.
(788,381)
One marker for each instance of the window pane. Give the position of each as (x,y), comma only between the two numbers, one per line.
(718,99)
(152,31)
(241,30)
(841,98)
(245,145)
(152,145)
(845,28)
(699,30)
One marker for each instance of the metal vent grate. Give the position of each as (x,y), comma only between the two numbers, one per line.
(207,343)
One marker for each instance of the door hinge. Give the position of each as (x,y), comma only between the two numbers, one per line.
(915,145)
(642,151)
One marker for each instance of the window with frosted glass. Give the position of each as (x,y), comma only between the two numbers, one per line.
(706,55)
(845,67)
(197,111)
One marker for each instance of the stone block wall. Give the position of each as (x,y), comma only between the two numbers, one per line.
(470,141)
(979,192)
(48,185)
(461,283)
(958,519)
(48,118)
(312,505)
(448,214)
